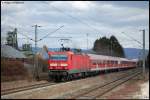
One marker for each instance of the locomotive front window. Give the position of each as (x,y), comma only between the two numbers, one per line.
(58,57)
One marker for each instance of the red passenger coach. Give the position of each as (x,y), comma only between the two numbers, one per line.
(102,62)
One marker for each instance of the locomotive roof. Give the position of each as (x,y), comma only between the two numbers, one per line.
(103,57)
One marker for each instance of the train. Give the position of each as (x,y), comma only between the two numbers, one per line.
(67,65)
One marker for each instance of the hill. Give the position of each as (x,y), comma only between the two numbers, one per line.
(133,53)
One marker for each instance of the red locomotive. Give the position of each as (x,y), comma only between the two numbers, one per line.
(66,65)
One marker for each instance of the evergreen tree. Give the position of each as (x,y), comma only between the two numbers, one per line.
(108,46)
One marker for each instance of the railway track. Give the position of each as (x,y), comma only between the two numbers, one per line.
(25,88)
(98,91)
(19,89)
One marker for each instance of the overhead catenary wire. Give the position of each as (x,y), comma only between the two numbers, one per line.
(59,37)
(79,20)
(135,41)
(50,33)
(132,44)
(90,25)
(132,38)
(43,36)
(95,29)
(129,40)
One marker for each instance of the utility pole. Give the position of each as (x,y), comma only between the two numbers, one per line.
(87,40)
(143,52)
(36,73)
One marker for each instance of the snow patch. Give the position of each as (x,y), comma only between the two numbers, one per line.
(145,89)
(144,93)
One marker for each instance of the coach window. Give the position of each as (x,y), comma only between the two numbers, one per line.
(104,62)
(94,63)
(101,61)
(115,62)
(111,62)
(108,62)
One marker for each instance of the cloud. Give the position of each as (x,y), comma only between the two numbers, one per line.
(79,18)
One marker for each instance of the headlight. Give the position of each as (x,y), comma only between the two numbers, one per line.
(53,64)
(63,64)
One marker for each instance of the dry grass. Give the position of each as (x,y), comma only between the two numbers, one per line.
(12,70)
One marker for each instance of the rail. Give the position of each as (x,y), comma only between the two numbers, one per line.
(19,89)
(99,90)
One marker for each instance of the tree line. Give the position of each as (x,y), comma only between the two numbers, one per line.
(108,46)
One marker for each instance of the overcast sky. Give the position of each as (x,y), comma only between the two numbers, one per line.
(97,18)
